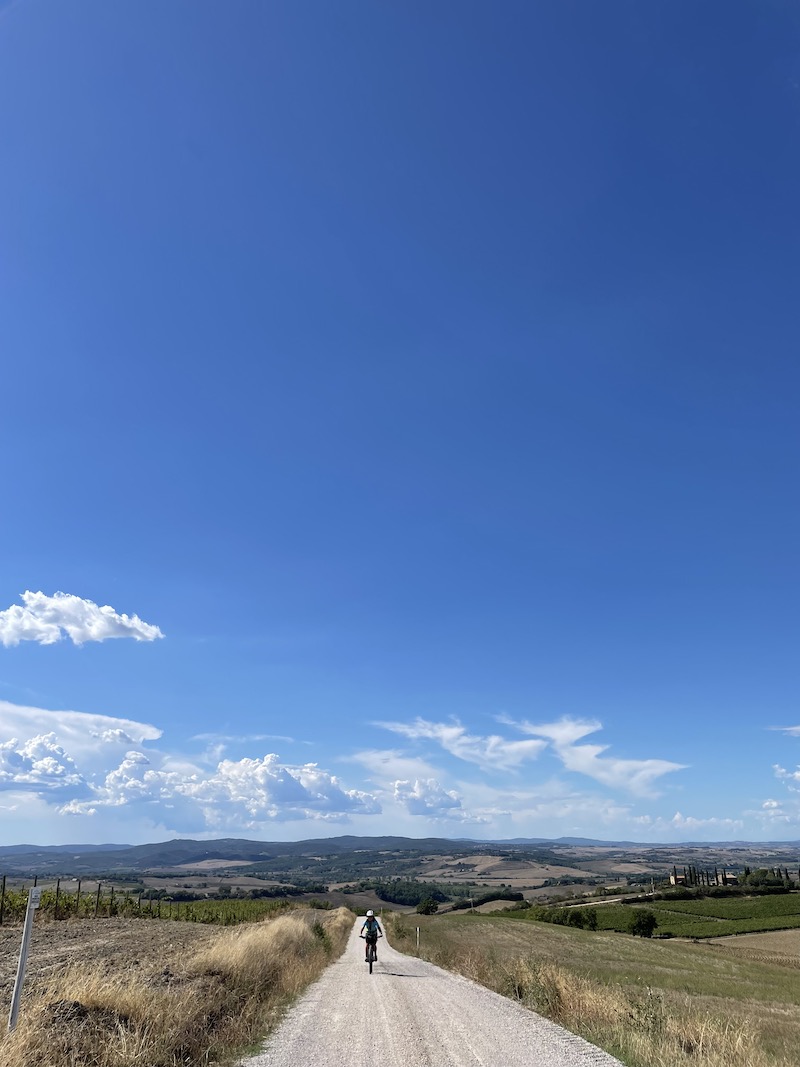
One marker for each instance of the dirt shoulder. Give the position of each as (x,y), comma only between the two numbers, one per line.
(115,944)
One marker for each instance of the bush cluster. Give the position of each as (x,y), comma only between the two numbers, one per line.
(487,898)
(583,918)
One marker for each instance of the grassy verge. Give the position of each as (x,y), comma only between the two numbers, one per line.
(207,1009)
(650,1003)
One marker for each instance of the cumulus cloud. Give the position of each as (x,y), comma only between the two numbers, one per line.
(114,737)
(39,763)
(266,787)
(48,619)
(246,793)
(63,758)
(636,776)
(493,752)
(427,797)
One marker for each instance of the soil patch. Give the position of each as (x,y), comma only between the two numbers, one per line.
(115,944)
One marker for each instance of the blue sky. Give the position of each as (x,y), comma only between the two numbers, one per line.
(403,399)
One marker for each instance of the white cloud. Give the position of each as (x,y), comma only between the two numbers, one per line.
(773,813)
(496,753)
(78,731)
(427,797)
(549,808)
(572,812)
(689,822)
(783,775)
(65,756)
(244,794)
(386,765)
(47,619)
(115,737)
(637,776)
(791,731)
(267,788)
(39,763)
(490,753)
(562,732)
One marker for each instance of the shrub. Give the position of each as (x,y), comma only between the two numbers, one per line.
(427,906)
(643,923)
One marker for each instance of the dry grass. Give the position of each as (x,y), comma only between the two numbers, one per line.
(202,1010)
(643,1025)
(644,1028)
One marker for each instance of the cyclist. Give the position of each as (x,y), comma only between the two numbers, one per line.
(373,932)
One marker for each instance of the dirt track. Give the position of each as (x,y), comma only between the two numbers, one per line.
(409,1013)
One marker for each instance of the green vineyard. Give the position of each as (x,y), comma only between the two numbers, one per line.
(107,902)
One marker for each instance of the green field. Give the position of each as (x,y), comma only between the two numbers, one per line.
(710,917)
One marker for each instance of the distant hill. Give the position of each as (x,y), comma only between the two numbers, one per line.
(589,842)
(15,850)
(88,859)
(303,858)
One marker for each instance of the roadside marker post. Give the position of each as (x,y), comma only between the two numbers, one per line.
(417,939)
(34,896)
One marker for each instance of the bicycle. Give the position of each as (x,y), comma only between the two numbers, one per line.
(372,951)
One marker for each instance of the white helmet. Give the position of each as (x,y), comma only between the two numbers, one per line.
(370,913)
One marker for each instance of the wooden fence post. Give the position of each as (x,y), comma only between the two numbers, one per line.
(58,895)
(97,900)
(2,900)
(78,899)
(34,896)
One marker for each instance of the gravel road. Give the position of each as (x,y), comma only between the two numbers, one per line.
(408,1013)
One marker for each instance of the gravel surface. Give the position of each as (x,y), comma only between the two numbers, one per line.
(408,1013)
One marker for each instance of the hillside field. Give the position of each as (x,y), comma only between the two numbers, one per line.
(708,917)
(652,1003)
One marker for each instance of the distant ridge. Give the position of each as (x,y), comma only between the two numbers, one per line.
(167,854)
(587,841)
(16,850)
(110,859)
